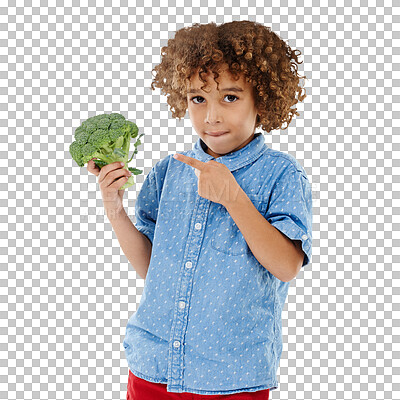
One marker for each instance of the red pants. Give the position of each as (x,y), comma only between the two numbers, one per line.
(140,389)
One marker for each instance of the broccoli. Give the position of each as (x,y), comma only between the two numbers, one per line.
(106,137)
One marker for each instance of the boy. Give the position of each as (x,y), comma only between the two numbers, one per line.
(222,229)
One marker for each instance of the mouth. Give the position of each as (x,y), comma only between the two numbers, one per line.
(219,133)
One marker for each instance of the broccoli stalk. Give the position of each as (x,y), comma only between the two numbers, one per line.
(107,139)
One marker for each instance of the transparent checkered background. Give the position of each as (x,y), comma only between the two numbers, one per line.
(67,288)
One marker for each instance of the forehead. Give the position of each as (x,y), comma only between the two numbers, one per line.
(225,80)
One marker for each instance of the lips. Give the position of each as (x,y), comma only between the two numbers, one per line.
(218,133)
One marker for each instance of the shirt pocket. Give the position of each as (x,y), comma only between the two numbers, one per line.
(227,237)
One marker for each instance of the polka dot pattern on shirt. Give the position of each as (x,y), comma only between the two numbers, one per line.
(209,320)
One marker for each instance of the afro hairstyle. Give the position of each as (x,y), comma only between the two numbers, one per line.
(249,49)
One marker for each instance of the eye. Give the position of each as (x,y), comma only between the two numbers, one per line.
(196,97)
(232,95)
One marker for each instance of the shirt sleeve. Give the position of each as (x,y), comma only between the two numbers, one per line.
(146,207)
(290,209)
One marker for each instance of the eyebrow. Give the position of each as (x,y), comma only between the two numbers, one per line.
(232,89)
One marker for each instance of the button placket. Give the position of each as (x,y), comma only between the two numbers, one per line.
(180,321)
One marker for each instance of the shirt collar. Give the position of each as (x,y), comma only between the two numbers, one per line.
(235,159)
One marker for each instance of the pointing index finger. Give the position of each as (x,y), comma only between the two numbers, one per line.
(189,161)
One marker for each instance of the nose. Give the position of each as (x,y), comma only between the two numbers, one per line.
(213,115)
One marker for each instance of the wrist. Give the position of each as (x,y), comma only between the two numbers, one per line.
(115,214)
(234,196)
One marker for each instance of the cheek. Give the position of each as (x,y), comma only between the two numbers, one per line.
(194,114)
(249,116)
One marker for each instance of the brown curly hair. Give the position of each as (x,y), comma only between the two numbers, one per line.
(249,48)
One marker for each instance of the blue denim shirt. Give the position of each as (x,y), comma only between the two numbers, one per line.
(209,319)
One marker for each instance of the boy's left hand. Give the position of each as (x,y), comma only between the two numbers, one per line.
(216,182)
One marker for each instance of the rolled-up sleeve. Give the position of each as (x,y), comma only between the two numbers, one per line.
(290,209)
(146,207)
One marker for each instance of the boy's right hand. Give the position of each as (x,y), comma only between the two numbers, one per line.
(110,177)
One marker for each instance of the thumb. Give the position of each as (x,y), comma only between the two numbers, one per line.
(93,168)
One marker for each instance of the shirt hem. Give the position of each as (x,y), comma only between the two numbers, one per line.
(185,389)
(285,227)
(148,232)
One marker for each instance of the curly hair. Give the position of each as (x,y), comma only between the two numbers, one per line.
(249,49)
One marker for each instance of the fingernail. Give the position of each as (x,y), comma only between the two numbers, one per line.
(122,164)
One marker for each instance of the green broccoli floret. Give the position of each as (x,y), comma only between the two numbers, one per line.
(107,138)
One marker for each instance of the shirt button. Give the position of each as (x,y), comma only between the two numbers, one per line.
(198,226)
(176,343)
(182,304)
(188,264)
(304,237)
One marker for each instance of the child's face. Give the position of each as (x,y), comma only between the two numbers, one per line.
(220,111)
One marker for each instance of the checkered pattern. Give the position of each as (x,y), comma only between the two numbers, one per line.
(68,290)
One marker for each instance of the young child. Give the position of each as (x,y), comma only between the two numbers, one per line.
(222,229)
